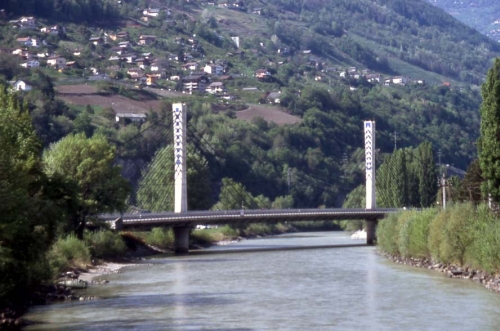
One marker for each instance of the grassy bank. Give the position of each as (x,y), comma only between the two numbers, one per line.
(463,234)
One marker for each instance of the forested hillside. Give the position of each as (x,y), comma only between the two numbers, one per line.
(332,64)
(483,15)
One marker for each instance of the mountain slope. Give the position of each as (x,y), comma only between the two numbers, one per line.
(482,15)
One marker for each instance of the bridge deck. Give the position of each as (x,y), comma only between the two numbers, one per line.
(194,218)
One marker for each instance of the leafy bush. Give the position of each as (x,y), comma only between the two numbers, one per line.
(68,252)
(160,237)
(387,234)
(461,234)
(419,233)
(105,244)
(484,252)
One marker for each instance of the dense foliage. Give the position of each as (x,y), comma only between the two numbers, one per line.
(489,152)
(462,234)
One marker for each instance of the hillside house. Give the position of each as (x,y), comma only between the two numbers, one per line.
(400,80)
(125,45)
(217,88)
(159,65)
(194,83)
(146,40)
(96,40)
(262,74)
(190,66)
(274,97)
(142,62)
(130,117)
(151,79)
(28,20)
(56,61)
(129,58)
(135,73)
(55,29)
(151,12)
(28,41)
(374,78)
(23,85)
(24,23)
(31,64)
(213,69)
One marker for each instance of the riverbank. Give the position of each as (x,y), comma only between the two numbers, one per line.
(489,281)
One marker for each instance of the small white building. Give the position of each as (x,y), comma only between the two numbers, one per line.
(133,117)
(151,12)
(22,85)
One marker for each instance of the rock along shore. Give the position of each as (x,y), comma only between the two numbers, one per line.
(490,281)
(62,290)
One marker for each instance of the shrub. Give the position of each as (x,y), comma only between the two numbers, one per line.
(387,234)
(68,252)
(105,244)
(437,235)
(484,252)
(229,232)
(419,235)
(160,237)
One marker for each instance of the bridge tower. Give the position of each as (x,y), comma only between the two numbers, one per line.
(370,151)
(181,234)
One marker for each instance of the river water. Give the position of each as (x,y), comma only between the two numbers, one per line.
(346,288)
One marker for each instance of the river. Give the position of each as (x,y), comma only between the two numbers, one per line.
(346,288)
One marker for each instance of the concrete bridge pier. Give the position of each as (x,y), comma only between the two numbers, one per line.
(371,227)
(181,239)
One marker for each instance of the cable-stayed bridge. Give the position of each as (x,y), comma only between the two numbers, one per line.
(162,185)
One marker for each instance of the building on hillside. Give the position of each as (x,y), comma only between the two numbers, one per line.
(33,63)
(146,40)
(23,85)
(151,12)
(217,88)
(194,83)
(274,97)
(262,74)
(56,62)
(190,66)
(96,40)
(130,117)
(400,80)
(213,69)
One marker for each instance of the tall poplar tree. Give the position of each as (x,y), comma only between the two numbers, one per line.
(427,174)
(489,140)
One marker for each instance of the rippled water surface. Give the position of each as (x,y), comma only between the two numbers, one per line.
(348,288)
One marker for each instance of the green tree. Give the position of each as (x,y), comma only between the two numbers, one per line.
(234,196)
(87,164)
(489,140)
(427,174)
(28,218)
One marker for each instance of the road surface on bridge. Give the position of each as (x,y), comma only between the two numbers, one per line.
(193,218)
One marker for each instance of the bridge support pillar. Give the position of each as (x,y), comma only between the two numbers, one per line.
(371,227)
(181,240)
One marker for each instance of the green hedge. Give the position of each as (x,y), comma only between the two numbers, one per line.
(462,234)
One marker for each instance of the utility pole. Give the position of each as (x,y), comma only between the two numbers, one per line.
(443,189)
(289,177)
